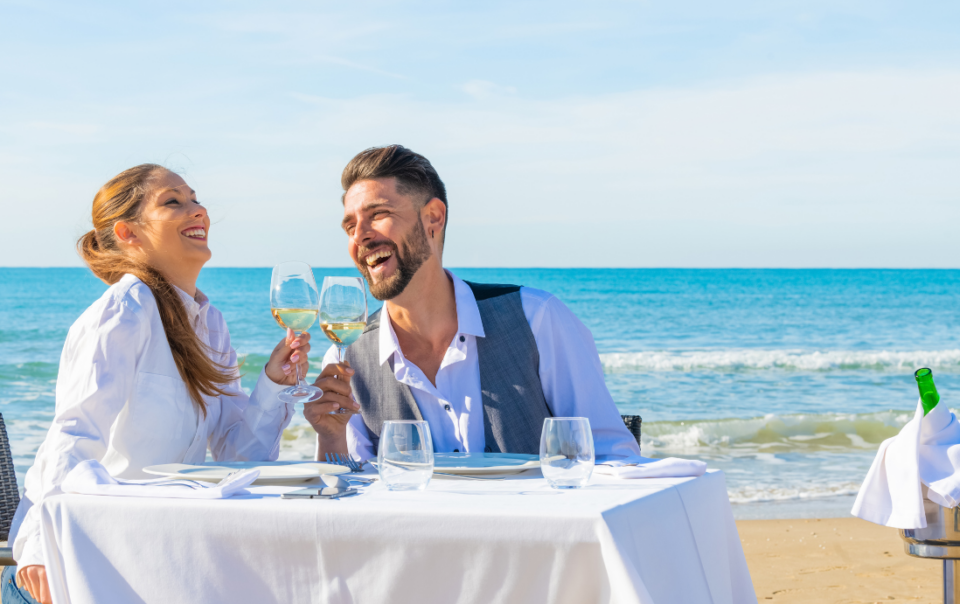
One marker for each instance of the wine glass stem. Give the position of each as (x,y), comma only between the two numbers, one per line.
(300,382)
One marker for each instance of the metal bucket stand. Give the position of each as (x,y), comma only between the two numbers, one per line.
(940,540)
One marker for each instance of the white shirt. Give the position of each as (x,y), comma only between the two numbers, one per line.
(120,400)
(570,374)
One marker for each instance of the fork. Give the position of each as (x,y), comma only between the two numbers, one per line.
(344,460)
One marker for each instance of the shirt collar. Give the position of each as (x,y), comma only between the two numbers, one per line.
(468,319)
(195,305)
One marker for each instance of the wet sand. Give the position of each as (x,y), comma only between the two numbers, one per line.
(834,561)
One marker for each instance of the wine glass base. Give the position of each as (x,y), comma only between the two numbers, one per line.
(300,394)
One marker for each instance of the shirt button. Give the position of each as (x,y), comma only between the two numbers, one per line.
(447,407)
(463,339)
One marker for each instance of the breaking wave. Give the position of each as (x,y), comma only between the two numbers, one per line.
(773,434)
(798,360)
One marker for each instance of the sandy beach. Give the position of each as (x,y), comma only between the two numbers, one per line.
(835,561)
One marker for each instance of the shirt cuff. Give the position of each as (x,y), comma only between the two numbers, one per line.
(266,393)
(31,551)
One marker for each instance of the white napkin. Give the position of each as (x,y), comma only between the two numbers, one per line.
(91,478)
(646,467)
(927,451)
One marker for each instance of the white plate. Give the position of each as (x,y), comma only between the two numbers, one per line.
(484,463)
(271,472)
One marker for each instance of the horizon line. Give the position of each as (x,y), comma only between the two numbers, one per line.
(571,268)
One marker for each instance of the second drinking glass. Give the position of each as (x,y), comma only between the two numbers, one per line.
(343,312)
(405,455)
(566,452)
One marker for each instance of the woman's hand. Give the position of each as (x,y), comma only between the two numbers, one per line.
(33,578)
(291,351)
(331,427)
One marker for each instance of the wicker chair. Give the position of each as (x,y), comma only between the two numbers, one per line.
(633,423)
(9,495)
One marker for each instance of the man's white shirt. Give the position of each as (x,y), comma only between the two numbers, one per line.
(570,374)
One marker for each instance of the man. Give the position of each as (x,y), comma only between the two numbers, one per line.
(482,364)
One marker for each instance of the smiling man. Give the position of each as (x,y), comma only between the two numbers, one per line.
(482,364)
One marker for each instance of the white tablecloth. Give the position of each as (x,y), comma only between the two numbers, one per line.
(662,541)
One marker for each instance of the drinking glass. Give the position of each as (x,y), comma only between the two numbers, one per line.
(566,452)
(343,310)
(294,303)
(405,455)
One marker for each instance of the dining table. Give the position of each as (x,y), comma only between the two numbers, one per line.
(459,541)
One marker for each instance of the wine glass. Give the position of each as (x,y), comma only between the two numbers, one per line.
(343,311)
(566,452)
(405,455)
(294,303)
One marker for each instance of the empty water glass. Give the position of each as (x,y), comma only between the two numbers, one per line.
(405,455)
(566,452)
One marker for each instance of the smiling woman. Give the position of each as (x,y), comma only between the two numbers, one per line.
(148,375)
(147,223)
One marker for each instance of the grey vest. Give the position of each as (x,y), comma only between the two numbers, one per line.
(513,403)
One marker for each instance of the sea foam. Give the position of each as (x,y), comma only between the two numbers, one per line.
(739,359)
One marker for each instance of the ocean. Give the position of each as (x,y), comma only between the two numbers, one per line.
(787,380)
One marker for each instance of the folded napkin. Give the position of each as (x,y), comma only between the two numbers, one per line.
(645,467)
(926,452)
(91,478)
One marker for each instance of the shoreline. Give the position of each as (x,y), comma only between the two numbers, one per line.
(814,508)
(835,561)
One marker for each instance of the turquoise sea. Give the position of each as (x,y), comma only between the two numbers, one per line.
(786,379)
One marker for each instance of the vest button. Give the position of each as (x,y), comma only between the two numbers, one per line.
(447,407)
(456,450)
(463,339)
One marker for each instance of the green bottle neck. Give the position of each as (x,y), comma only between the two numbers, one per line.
(929,397)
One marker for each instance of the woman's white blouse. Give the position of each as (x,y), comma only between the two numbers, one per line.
(121,400)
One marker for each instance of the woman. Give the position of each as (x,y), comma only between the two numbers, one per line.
(148,375)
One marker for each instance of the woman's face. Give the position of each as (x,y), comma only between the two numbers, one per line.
(173,228)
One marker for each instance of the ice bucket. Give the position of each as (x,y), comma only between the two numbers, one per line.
(940,540)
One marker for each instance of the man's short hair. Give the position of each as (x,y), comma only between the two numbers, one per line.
(415,175)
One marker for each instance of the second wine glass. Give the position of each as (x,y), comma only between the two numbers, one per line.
(294,303)
(343,311)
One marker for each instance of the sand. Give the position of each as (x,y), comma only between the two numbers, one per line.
(834,561)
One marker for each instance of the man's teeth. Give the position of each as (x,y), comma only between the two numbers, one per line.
(374,257)
(198,232)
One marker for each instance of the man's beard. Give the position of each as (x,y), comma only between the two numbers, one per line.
(413,252)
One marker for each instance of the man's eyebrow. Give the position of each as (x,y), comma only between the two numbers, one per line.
(365,208)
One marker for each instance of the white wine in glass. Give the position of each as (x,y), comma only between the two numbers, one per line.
(343,312)
(294,303)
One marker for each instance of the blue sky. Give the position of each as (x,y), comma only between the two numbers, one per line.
(790,134)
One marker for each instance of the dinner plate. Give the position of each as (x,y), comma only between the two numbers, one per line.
(484,463)
(271,472)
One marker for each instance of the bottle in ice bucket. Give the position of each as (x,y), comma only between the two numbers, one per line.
(929,397)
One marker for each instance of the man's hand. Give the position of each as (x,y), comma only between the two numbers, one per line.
(291,351)
(34,579)
(330,414)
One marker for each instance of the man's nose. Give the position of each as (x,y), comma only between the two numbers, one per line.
(362,233)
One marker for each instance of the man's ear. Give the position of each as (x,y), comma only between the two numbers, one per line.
(125,234)
(434,216)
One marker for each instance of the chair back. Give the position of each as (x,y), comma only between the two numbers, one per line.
(9,493)
(633,423)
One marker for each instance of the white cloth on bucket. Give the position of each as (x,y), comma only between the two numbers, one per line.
(91,478)
(646,467)
(927,451)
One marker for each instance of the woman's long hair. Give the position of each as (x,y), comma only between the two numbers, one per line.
(120,200)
